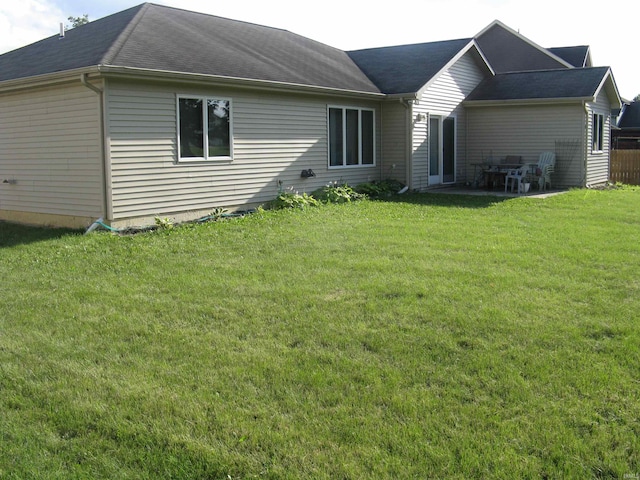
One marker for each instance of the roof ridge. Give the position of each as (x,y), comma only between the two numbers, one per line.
(545,70)
(540,48)
(467,39)
(245,22)
(570,46)
(119,43)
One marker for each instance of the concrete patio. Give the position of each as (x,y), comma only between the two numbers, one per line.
(462,190)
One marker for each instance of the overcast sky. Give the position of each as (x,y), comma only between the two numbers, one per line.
(353,24)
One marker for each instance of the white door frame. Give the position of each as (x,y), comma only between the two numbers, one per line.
(436,163)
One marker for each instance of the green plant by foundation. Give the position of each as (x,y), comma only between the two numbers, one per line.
(337,193)
(293,199)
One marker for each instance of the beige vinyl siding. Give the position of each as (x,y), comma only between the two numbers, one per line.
(50,146)
(393,158)
(275,137)
(598,162)
(443,98)
(528,130)
(420,149)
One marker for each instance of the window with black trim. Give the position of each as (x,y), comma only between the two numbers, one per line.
(597,132)
(204,128)
(351,137)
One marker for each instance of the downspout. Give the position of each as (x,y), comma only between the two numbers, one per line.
(466,148)
(408,140)
(106,170)
(380,151)
(586,143)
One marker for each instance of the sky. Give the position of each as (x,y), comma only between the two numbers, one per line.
(356,24)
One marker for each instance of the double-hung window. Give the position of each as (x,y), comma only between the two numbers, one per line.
(597,132)
(351,137)
(204,128)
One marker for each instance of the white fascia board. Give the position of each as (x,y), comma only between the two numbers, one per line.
(46,80)
(527,101)
(608,79)
(587,58)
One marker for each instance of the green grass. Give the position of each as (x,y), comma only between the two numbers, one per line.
(430,336)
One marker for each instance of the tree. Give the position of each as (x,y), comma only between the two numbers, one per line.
(77,21)
(637,99)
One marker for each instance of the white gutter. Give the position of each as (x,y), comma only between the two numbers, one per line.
(83,80)
(408,97)
(526,101)
(47,80)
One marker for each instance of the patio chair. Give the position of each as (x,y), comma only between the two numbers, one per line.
(546,166)
(517,177)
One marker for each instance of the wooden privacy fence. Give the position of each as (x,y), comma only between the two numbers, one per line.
(625,166)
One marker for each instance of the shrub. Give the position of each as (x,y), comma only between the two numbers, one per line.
(291,199)
(335,193)
(164,223)
(380,189)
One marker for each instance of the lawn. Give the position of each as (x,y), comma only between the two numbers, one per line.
(428,336)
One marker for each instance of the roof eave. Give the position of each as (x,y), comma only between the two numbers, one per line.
(609,84)
(237,82)
(45,80)
(409,96)
(527,101)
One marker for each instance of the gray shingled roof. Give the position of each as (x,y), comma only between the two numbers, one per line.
(83,46)
(162,38)
(506,52)
(565,83)
(406,68)
(630,118)
(576,56)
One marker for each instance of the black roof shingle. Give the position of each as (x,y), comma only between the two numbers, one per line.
(545,84)
(507,52)
(162,38)
(406,68)
(83,46)
(630,118)
(576,56)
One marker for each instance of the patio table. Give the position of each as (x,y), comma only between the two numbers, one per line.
(493,174)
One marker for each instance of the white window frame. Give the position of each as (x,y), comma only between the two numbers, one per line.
(344,109)
(205,150)
(597,132)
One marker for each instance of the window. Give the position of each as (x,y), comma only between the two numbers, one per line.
(351,137)
(204,128)
(597,133)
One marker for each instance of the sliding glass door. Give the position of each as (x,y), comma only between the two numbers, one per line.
(442,150)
